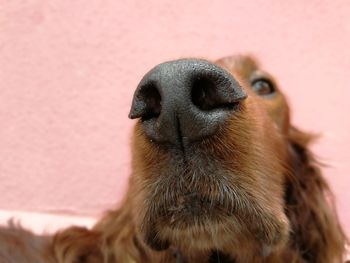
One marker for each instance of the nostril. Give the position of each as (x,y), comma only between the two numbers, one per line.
(203,93)
(152,100)
(206,94)
(147,103)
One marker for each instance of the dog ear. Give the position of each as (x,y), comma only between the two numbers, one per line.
(316,234)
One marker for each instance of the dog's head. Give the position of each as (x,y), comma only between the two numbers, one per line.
(212,152)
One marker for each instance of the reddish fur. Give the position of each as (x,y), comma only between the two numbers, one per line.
(294,222)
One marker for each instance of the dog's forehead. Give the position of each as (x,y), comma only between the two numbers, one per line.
(238,64)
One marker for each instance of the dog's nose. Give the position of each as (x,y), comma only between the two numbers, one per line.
(185,100)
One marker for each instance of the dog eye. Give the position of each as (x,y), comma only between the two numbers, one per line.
(263,87)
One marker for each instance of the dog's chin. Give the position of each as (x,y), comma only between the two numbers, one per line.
(191,232)
(191,220)
(197,223)
(193,209)
(197,204)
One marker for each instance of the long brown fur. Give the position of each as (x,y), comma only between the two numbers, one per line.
(267,199)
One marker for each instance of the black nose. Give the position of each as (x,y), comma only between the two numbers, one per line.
(185,100)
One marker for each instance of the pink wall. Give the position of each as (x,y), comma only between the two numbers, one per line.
(68,70)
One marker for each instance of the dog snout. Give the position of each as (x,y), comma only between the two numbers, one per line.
(185,100)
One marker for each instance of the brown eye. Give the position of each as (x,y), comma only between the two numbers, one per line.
(263,87)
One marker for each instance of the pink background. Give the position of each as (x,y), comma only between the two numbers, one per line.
(68,70)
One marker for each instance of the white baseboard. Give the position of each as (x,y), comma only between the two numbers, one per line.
(44,222)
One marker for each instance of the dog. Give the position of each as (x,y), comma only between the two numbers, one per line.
(219,174)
